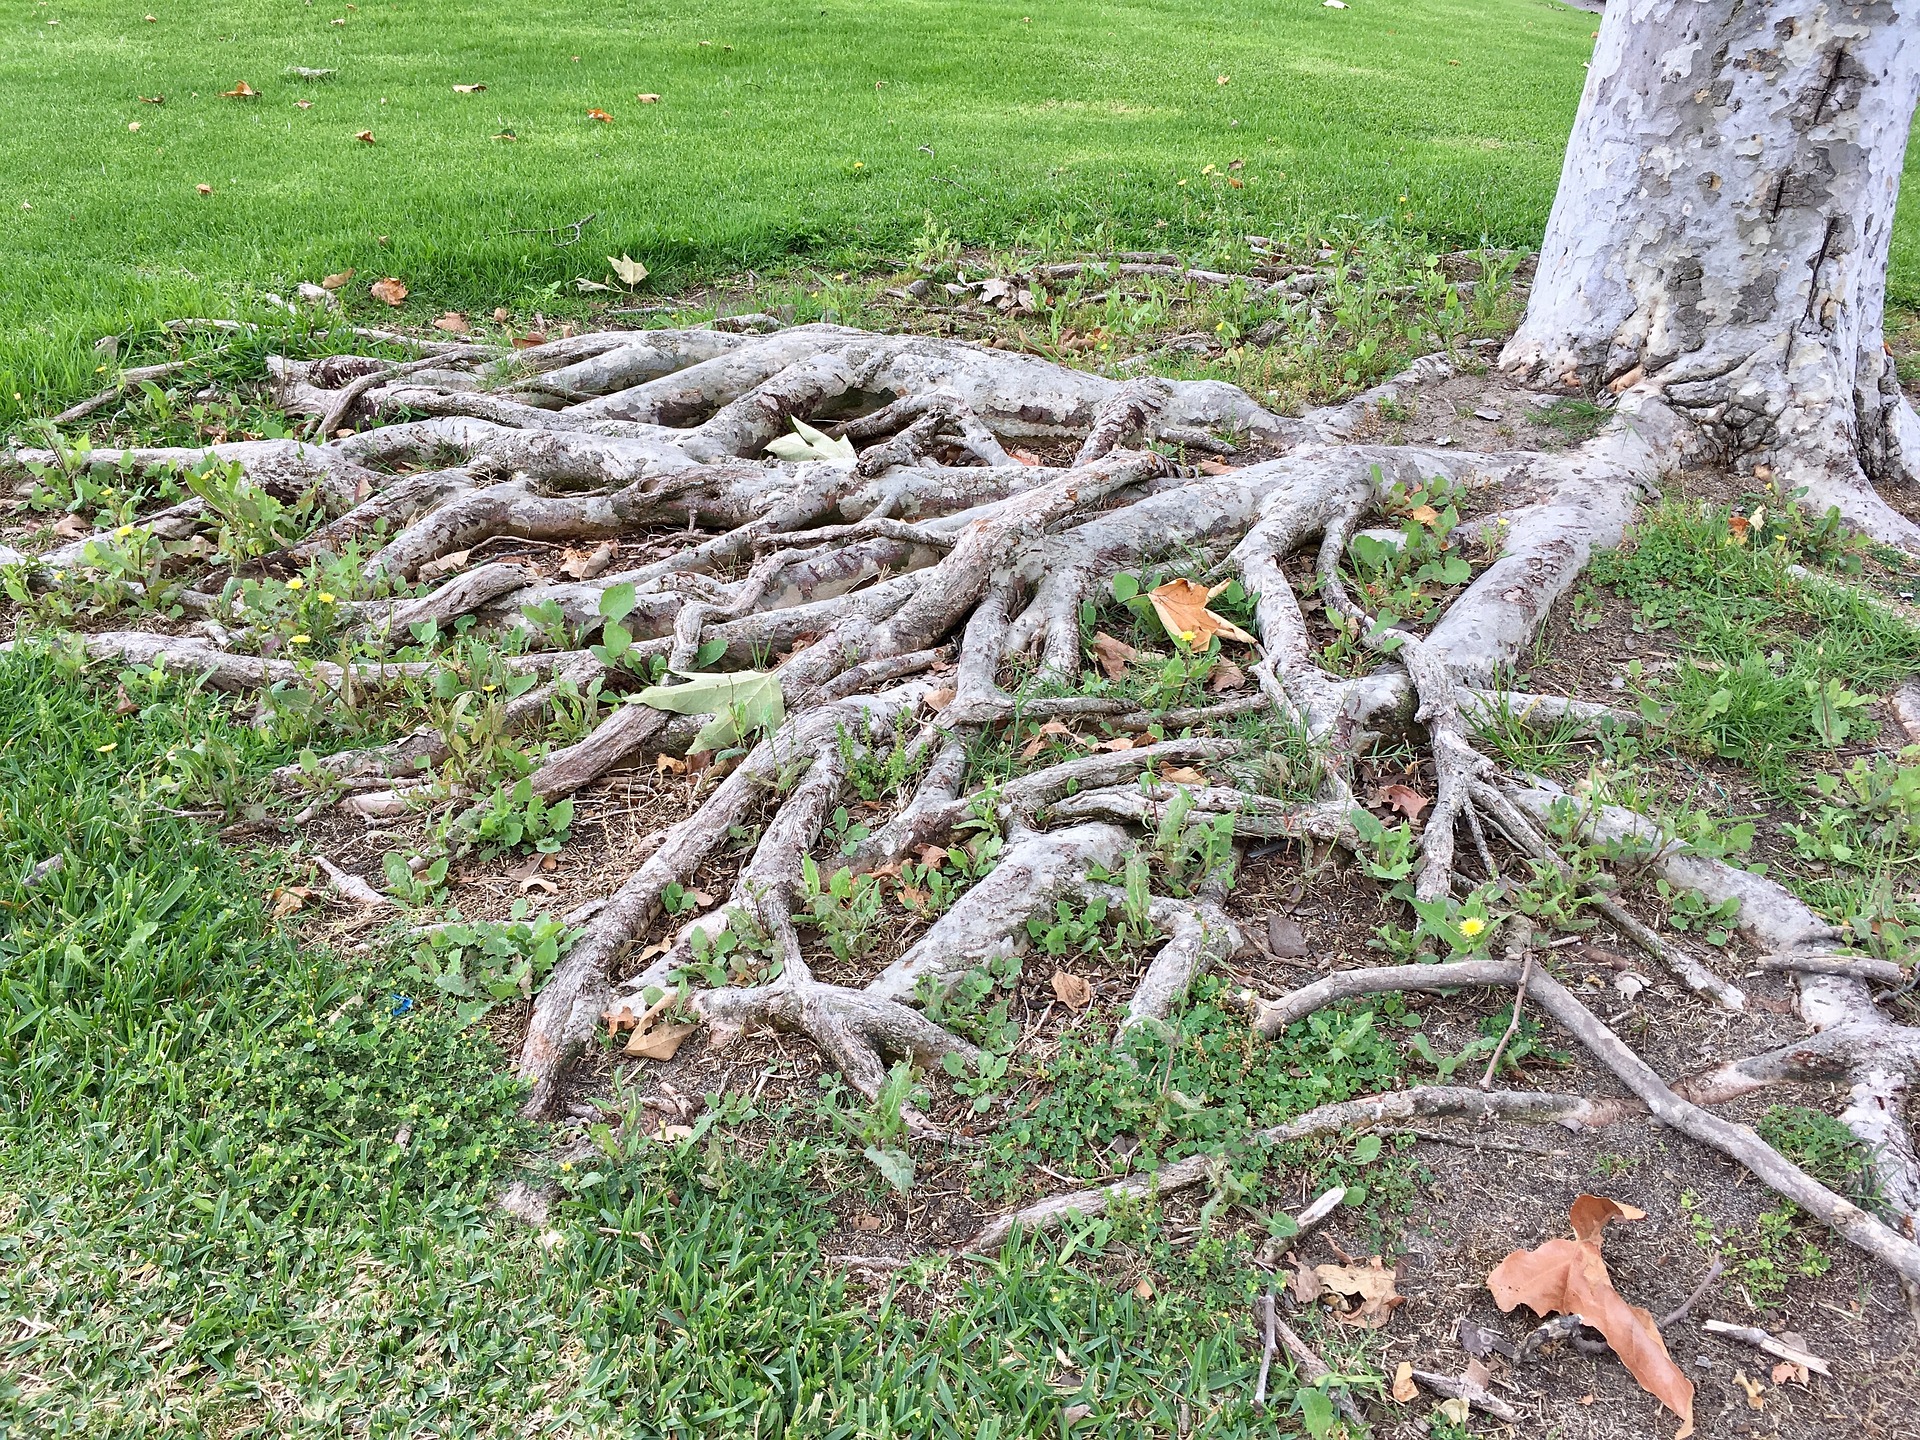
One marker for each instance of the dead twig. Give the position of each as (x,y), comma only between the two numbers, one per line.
(1772,1344)
(1268,1349)
(578,227)
(1313,1369)
(1513,1025)
(1679,1313)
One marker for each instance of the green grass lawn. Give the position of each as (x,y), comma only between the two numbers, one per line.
(830,131)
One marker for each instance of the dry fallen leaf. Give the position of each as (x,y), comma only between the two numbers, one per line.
(1025,457)
(1408,801)
(585,564)
(1122,742)
(240,91)
(667,764)
(453,322)
(335,282)
(1183,775)
(1182,608)
(648,99)
(1143,1291)
(153,99)
(1456,1410)
(1370,1285)
(941,698)
(532,340)
(630,271)
(650,1040)
(1568,1277)
(1073,990)
(365,137)
(1305,1285)
(390,290)
(602,116)
(71,527)
(288,898)
(204,189)
(1786,1370)
(1424,514)
(468,89)
(1756,1392)
(866,1220)
(1053,728)
(501,314)
(1404,1390)
(1216,467)
(1112,655)
(1226,676)
(1286,939)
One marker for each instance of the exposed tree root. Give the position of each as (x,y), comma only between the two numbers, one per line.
(919,596)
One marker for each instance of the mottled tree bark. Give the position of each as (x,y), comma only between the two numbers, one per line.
(1721,234)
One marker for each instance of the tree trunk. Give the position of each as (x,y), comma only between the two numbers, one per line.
(1722,229)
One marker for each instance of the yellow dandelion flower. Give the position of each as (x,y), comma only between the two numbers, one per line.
(1472,926)
(325,598)
(123,532)
(296,583)
(301,640)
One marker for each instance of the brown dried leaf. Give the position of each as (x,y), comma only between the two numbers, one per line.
(241,91)
(1404,798)
(389,290)
(1052,728)
(1404,1390)
(1143,1291)
(1306,1285)
(1371,1285)
(941,698)
(1423,514)
(1183,775)
(335,282)
(1112,655)
(71,527)
(532,340)
(1216,467)
(1226,677)
(1182,607)
(540,883)
(204,189)
(1025,457)
(288,898)
(647,98)
(1073,990)
(1786,1370)
(1122,742)
(453,322)
(1568,1277)
(662,1042)
(1756,1392)
(365,137)
(584,565)
(666,764)
(866,1220)
(501,314)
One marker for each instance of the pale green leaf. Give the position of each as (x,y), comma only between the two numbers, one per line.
(741,702)
(807,443)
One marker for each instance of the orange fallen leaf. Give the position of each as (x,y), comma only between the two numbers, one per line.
(1786,1370)
(204,189)
(390,290)
(1423,514)
(1182,608)
(1738,527)
(1122,742)
(1216,467)
(365,137)
(1756,1392)
(1052,728)
(453,322)
(1025,457)
(240,91)
(931,855)
(532,340)
(335,282)
(1568,1277)
(650,1039)
(501,314)
(1404,798)
(1112,655)
(941,698)
(1404,1388)
(602,116)
(1073,990)
(287,899)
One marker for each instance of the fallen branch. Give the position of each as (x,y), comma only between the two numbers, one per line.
(1773,1345)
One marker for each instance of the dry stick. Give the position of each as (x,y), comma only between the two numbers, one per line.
(119,387)
(1847,967)
(1685,1307)
(1268,1347)
(1314,1369)
(1736,1142)
(1774,1346)
(1458,1387)
(1519,1002)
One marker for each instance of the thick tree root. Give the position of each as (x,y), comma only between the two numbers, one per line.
(919,595)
